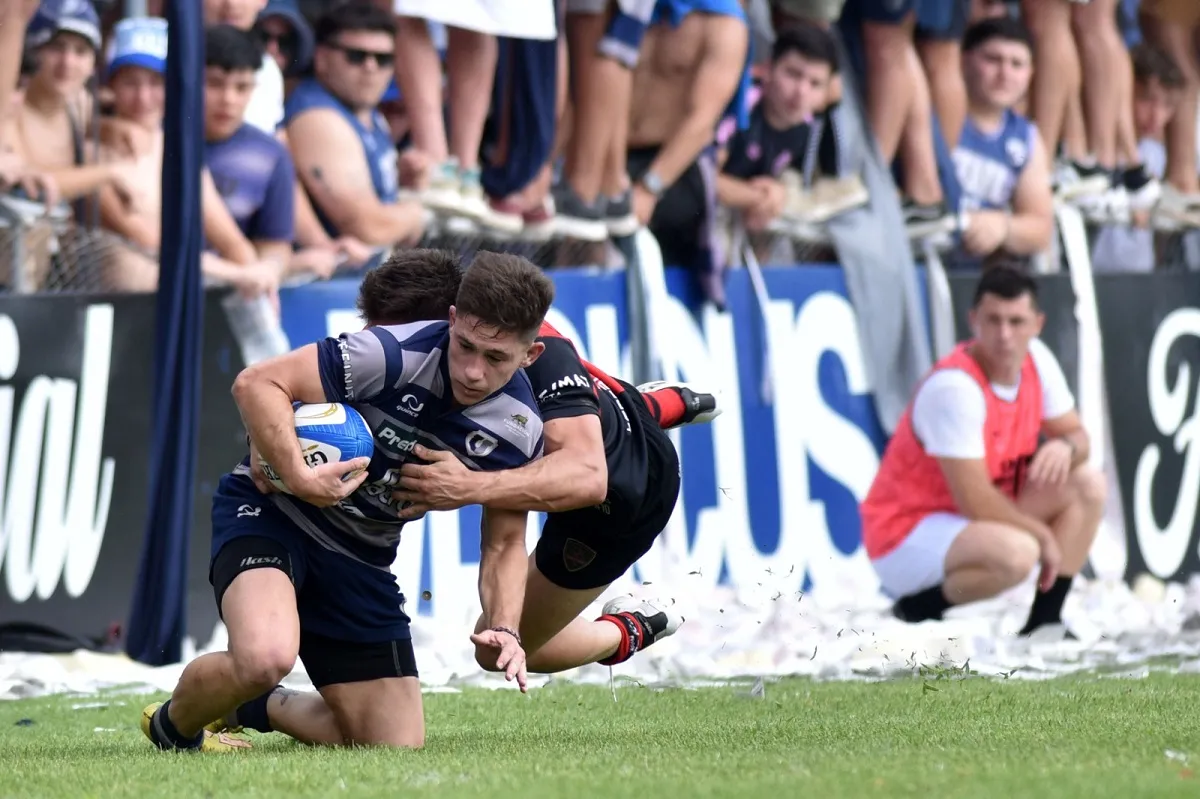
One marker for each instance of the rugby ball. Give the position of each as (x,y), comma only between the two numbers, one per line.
(328,432)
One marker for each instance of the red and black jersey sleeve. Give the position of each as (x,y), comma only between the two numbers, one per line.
(561,382)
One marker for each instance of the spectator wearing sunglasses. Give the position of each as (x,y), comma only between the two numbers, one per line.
(341,143)
(287,38)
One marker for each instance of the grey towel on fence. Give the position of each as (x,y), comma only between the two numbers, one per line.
(875,254)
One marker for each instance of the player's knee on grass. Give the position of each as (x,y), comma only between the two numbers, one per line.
(385,712)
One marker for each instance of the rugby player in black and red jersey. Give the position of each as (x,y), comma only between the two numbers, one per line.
(608,482)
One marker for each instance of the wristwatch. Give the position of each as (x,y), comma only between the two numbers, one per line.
(652,183)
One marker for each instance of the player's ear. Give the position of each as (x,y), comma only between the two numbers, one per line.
(531,354)
(452,314)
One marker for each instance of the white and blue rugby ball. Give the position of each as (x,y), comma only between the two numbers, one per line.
(328,432)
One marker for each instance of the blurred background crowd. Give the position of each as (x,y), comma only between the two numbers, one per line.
(338,130)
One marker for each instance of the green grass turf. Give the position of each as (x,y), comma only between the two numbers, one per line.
(944,737)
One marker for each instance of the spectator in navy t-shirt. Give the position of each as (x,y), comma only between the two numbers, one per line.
(253,172)
(803,63)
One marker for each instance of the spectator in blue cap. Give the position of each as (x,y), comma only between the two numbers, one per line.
(50,129)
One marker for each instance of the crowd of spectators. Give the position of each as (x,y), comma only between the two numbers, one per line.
(339,129)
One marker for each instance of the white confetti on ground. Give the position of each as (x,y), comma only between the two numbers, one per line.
(764,633)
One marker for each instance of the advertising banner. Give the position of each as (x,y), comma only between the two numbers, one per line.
(76,376)
(1151,327)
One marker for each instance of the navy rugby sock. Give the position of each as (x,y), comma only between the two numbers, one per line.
(167,736)
(253,714)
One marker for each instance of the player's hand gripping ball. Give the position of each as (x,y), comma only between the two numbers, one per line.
(329,432)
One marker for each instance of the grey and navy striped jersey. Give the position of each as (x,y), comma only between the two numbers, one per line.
(398,379)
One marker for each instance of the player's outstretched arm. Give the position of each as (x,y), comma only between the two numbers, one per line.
(502,570)
(573,473)
(264,394)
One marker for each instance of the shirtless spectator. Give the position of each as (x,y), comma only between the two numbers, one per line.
(341,144)
(1174,26)
(803,63)
(692,65)
(1000,160)
(14,170)
(49,131)
(593,198)
(136,76)
(987,475)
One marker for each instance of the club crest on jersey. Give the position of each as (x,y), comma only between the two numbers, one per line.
(480,444)
(577,555)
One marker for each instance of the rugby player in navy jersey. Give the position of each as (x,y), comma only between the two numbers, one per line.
(608,482)
(308,573)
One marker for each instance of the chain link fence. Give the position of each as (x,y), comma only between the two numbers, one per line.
(45,251)
(49,253)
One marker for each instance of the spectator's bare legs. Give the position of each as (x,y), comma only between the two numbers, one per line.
(419,76)
(593,105)
(890,91)
(1108,87)
(470,71)
(1177,42)
(1074,131)
(921,182)
(942,59)
(1056,75)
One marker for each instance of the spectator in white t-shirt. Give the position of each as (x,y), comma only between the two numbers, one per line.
(987,475)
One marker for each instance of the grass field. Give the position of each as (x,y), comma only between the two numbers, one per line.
(939,737)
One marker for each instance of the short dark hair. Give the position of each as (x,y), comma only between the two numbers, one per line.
(506,292)
(1006,28)
(410,286)
(231,49)
(1153,63)
(810,42)
(356,15)
(1007,283)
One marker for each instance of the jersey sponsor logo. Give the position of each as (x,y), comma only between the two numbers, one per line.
(480,444)
(410,405)
(395,440)
(248,511)
(569,381)
(55,483)
(1168,391)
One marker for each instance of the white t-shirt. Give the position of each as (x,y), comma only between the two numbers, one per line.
(949,411)
(265,110)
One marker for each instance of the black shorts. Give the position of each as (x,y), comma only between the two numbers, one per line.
(591,547)
(328,661)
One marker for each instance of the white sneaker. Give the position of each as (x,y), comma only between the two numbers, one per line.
(656,619)
(701,406)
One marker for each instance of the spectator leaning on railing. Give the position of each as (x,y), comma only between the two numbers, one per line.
(1000,160)
(136,73)
(341,144)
